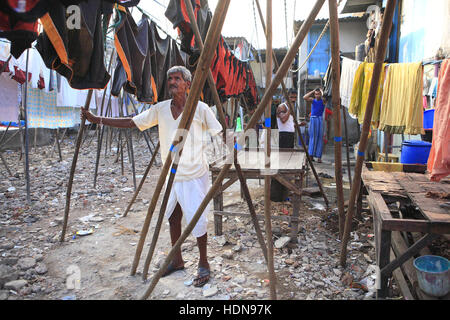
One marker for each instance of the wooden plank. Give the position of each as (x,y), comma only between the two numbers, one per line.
(401,281)
(255,159)
(376,202)
(410,252)
(288,184)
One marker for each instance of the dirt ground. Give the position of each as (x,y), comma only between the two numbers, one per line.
(97,265)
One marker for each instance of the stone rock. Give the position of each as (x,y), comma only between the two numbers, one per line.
(26,263)
(9,261)
(282,242)
(289,262)
(41,268)
(4,294)
(16,285)
(240,279)
(221,240)
(237,248)
(210,291)
(7,245)
(228,254)
(7,274)
(38,257)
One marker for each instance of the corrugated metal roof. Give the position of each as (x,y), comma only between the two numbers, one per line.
(352,18)
(352,6)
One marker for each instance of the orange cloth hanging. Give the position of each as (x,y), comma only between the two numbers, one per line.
(439,159)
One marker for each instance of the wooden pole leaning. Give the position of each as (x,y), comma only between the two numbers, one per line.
(344,114)
(291,110)
(100,132)
(336,102)
(285,65)
(267,177)
(141,183)
(204,63)
(74,165)
(25,112)
(216,98)
(378,68)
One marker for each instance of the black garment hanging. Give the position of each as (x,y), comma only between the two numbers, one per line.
(76,54)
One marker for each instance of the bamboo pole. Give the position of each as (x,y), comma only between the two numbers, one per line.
(347,147)
(27,161)
(336,101)
(380,54)
(5,64)
(267,177)
(74,165)
(100,134)
(5,164)
(133,165)
(147,170)
(294,115)
(204,63)
(57,143)
(285,65)
(99,145)
(4,133)
(219,107)
(146,137)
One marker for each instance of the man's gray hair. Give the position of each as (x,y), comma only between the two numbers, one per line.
(187,76)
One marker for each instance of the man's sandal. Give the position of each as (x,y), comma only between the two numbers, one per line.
(171,269)
(203,275)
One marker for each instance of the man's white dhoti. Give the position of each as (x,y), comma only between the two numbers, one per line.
(190,194)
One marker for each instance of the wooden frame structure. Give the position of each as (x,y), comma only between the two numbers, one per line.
(432,220)
(291,166)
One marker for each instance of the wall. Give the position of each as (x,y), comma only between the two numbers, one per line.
(424,29)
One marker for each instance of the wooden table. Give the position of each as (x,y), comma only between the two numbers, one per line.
(287,166)
(418,213)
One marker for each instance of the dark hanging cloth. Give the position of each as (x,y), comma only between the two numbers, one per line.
(176,12)
(76,54)
(131,43)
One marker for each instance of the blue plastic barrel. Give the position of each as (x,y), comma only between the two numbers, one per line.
(428,119)
(415,152)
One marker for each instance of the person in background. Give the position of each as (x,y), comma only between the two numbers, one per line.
(316,123)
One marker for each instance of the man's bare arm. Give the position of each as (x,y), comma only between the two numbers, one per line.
(112,122)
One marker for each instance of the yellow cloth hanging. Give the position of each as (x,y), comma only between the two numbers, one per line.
(360,93)
(402,106)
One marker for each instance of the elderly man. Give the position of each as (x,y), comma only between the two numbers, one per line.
(191,181)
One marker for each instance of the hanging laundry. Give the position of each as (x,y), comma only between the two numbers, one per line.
(439,159)
(20,33)
(133,73)
(43,113)
(348,72)
(176,12)
(360,93)
(9,106)
(232,76)
(77,54)
(402,105)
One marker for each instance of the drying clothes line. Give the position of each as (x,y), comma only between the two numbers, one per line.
(402,103)
(439,159)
